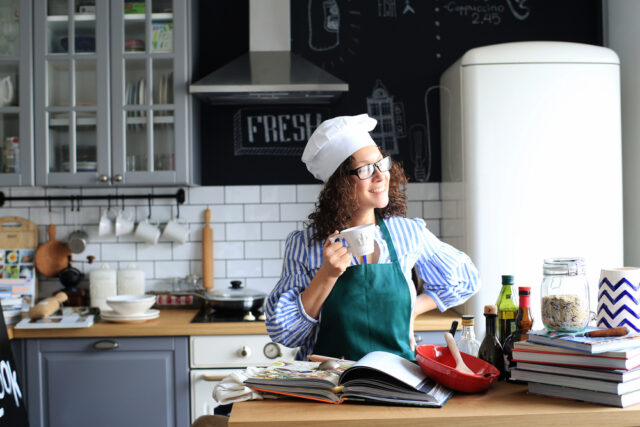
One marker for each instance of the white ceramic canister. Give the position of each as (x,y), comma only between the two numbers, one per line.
(130,281)
(102,284)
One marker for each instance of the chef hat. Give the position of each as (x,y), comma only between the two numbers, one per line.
(334,141)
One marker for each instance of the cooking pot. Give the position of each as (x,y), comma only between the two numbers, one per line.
(70,276)
(235,298)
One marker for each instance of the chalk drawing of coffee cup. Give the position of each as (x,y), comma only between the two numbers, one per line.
(324,24)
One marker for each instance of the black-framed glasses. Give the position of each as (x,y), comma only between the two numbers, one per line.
(367,171)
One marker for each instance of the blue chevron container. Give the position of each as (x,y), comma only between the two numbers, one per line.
(619,298)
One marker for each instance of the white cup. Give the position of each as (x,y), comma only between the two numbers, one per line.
(360,239)
(124,223)
(106,226)
(176,231)
(6,91)
(148,231)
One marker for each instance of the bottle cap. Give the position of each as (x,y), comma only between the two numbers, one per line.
(524,290)
(490,309)
(467,320)
(507,280)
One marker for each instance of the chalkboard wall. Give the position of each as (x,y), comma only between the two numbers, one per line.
(390,52)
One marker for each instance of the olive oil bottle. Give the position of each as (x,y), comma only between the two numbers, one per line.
(507,310)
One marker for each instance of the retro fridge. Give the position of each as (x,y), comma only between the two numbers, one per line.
(531,163)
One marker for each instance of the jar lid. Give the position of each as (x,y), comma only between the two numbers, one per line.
(563,266)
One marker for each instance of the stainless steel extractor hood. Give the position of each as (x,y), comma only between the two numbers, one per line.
(269,73)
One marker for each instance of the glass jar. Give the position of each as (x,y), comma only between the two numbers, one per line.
(565,295)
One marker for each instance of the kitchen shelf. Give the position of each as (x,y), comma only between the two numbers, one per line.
(84,17)
(154,16)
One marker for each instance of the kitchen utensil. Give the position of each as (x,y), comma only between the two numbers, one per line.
(438,363)
(18,233)
(207,253)
(454,328)
(77,241)
(609,332)
(328,364)
(234,299)
(453,349)
(52,257)
(70,276)
(47,306)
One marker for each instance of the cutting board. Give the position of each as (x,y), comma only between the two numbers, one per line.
(18,243)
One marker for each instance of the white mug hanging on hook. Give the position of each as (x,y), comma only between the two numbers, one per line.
(176,229)
(147,229)
(124,223)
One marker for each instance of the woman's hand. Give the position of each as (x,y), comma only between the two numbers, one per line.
(335,258)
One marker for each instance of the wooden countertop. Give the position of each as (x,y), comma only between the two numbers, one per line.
(502,405)
(177,322)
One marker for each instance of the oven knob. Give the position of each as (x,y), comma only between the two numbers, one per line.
(271,350)
(244,351)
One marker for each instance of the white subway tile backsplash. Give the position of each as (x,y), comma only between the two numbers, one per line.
(242,194)
(262,212)
(250,225)
(118,252)
(308,193)
(243,231)
(295,212)
(262,250)
(24,192)
(244,268)
(277,230)
(228,250)
(278,193)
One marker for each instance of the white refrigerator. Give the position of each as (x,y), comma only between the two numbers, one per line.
(531,163)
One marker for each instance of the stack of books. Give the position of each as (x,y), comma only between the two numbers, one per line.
(600,370)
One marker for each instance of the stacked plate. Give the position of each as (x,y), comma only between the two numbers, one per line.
(112,316)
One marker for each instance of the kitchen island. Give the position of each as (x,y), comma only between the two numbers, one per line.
(501,405)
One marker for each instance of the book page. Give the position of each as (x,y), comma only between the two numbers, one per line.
(393,365)
(297,372)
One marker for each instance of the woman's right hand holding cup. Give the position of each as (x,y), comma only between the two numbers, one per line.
(336,257)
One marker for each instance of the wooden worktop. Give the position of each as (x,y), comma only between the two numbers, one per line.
(502,405)
(177,322)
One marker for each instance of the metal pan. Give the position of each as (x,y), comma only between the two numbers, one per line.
(236,298)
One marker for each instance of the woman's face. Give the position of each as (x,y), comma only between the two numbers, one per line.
(372,192)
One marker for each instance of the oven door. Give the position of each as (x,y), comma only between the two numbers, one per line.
(202,383)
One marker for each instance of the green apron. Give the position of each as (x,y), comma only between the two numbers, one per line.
(368,309)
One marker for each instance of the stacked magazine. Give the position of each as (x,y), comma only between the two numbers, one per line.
(600,370)
(379,377)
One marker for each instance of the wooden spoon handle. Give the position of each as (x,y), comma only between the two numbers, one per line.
(611,332)
(453,348)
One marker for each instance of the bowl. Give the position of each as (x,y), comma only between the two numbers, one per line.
(131,304)
(438,364)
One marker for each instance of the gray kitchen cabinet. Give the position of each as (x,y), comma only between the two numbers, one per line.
(107,382)
(16,106)
(111,104)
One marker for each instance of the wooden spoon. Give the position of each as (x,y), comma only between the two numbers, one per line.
(453,348)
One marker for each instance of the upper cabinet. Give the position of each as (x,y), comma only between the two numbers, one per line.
(111,106)
(16,106)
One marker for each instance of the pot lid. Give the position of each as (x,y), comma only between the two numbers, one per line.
(235,292)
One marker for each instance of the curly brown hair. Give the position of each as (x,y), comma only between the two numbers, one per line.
(337,200)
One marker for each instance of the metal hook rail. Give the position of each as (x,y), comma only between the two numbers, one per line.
(179,196)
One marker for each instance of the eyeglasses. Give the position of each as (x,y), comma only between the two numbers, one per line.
(367,171)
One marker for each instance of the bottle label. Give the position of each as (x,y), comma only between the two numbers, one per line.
(504,315)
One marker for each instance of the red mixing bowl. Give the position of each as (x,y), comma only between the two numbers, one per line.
(437,362)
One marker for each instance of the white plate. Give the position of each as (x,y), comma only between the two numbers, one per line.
(112,316)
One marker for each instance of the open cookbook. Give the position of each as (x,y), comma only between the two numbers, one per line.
(379,377)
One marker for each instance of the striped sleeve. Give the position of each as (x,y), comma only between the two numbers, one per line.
(449,274)
(287,322)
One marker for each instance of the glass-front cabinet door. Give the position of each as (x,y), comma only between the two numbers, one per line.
(16,135)
(72,91)
(149,54)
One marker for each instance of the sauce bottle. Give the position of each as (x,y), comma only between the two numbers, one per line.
(524,322)
(490,348)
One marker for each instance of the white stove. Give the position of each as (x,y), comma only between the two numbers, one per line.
(212,358)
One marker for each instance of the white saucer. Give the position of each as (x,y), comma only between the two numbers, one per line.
(112,316)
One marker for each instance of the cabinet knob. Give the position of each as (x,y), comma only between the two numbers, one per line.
(106,345)
(418,338)
(103,178)
(245,351)
(117,178)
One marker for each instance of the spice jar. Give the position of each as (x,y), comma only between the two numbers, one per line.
(565,295)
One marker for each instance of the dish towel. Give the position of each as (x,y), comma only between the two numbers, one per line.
(231,389)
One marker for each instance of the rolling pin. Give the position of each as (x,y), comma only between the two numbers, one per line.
(47,306)
(207,252)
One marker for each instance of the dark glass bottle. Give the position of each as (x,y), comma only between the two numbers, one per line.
(490,348)
(524,322)
(507,310)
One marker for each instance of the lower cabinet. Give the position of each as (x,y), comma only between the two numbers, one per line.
(107,382)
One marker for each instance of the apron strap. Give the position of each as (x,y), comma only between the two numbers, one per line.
(387,238)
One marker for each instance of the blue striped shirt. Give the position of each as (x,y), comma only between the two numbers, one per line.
(449,275)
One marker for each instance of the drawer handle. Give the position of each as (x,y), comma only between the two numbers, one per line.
(106,345)
(212,377)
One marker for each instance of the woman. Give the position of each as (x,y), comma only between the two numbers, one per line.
(331,303)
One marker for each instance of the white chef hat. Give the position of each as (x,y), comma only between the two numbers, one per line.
(334,141)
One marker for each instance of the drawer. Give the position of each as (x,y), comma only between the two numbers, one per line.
(236,351)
